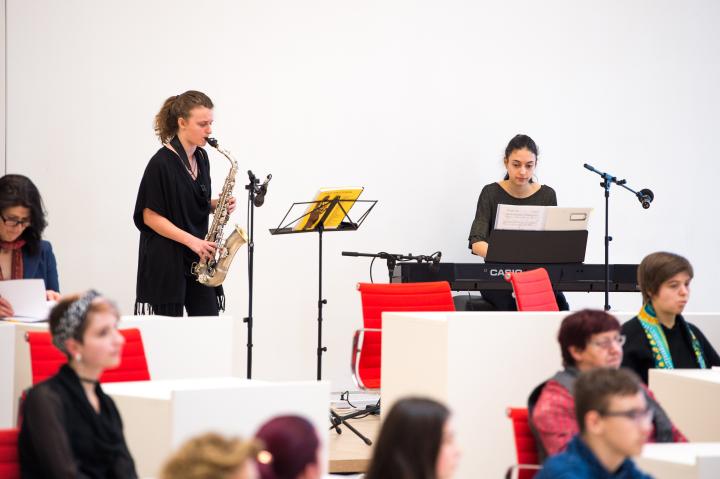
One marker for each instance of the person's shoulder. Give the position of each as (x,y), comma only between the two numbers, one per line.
(565,465)
(632,327)
(42,395)
(45,246)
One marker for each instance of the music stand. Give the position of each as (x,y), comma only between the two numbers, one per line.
(543,247)
(314,220)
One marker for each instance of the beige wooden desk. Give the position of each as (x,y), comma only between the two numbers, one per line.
(691,398)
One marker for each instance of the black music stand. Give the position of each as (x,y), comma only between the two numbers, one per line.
(322,207)
(542,247)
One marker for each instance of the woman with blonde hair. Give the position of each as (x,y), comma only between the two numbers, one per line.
(212,456)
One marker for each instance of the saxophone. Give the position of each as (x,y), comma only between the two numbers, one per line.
(212,272)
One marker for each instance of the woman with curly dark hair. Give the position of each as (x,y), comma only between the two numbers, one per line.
(23,252)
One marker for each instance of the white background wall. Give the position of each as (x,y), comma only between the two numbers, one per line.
(415,100)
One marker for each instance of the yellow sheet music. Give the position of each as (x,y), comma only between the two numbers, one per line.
(323,199)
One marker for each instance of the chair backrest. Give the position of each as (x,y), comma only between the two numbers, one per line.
(46,359)
(378,298)
(533,290)
(525,447)
(9,460)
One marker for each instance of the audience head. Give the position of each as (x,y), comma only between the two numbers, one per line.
(416,441)
(184,112)
(591,339)
(212,456)
(21,211)
(84,327)
(611,410)
(292,449)
(664,280)
(520,159)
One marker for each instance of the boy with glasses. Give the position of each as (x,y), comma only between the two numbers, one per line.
(588,340)
(615,421)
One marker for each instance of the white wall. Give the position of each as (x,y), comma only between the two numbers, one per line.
(413,100)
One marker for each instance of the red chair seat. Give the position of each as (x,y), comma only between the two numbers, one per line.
(9,460)
(533,290)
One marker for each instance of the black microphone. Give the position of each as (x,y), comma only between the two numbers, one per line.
(646,197)
(262,191)
(251,176)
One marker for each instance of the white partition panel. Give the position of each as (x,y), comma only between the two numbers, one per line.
(158,416)
(194,347)
(479,364)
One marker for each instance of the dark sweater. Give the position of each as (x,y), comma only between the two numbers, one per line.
(63,437)
(638,356)
(493,195)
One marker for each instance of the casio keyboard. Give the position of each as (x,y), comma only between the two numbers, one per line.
(490,276)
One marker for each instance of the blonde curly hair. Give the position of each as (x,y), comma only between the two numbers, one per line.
(210,456)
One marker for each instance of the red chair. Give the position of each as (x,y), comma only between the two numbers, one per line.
(46,359)
(379,298)
(533,290)
(9,460)
(527,455)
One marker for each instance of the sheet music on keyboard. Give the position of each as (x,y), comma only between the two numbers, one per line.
(520,217)
(541,218)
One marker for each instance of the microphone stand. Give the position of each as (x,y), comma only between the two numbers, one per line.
(392,259)
(645,196)
(253,188)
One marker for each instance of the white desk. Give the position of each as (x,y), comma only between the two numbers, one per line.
(159,415)
(691,398)
(175,348)
(681,461)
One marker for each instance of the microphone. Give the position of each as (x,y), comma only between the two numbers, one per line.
(262,191)
(251,176)
(646,196)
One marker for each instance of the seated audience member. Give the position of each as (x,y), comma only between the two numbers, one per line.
(291,449)
(70,427)
(615,420)
(659,337)
(588,340)
(416,441)
(212,456)
(23,252)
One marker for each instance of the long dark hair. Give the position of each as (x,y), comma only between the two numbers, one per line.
(18,190)
(178,106)
(519,142)
(409,440)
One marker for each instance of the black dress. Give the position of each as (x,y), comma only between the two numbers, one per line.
(164,280)
(63,437)
(491,196)
(638,356)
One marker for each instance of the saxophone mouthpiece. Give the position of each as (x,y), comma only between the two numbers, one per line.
(213,142)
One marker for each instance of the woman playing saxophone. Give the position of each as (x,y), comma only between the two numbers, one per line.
(172,213)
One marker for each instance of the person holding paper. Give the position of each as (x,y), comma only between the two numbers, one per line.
(659,337)
(70,427)
(23,252)
(517,188)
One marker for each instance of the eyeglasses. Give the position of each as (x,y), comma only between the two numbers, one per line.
(608,343)
(15,222)
(638,415)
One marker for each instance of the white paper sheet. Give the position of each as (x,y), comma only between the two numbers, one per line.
(27,297)
(513,217)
